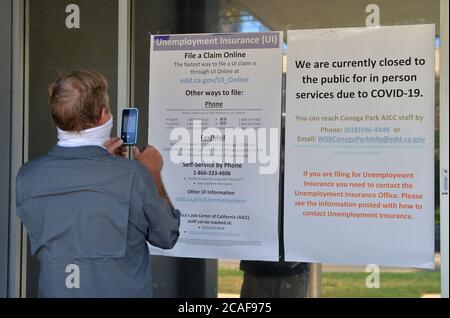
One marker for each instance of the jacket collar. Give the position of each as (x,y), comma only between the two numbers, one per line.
(78,152)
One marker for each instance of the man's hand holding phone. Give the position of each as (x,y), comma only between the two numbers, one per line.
(150,158)
(116,147)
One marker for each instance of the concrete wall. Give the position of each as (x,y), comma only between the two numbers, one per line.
(5,136)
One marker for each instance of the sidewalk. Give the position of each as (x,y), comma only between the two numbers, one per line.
(234,264)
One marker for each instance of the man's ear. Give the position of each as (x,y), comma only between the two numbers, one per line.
(104,116)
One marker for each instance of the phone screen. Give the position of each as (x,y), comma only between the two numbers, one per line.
(129,126)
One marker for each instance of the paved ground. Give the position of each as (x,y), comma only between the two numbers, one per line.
(228,296)
(423,296)
(237,296)
(233,264)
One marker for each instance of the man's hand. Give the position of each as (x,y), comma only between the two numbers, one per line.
(150,158)
(116,148)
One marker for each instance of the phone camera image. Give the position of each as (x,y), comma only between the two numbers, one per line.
(129,126)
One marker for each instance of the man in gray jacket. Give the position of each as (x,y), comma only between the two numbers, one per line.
(88,211)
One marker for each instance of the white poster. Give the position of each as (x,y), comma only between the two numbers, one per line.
(359,178)
(215,109)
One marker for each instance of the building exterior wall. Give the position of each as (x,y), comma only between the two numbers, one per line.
(5,136)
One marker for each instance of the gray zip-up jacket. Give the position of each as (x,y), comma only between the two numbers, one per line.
(89,216)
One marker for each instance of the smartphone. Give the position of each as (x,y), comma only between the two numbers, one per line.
(130,118)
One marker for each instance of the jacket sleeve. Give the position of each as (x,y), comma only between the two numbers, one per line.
(162,220)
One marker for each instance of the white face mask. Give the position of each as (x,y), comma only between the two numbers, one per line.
(96,136)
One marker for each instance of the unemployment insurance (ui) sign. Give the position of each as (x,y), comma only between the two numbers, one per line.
(215,109)
(360,146)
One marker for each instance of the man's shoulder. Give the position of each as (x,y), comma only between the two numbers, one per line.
(45,162)
(32,165)
(141,176)
(128,164)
